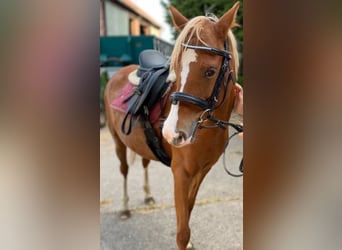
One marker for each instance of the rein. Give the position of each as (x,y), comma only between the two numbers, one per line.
(239,129)
(209,105)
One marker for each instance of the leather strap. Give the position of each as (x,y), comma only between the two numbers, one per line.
(153,141)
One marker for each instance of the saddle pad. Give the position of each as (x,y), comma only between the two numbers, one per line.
(133,78)
(127,90)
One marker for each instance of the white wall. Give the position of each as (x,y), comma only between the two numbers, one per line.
(117,20)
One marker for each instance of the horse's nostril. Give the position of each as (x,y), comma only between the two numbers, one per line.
(179,139)
(181,135)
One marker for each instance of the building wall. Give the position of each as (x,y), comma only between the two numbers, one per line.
(135,27)
(117,20)
(154,31)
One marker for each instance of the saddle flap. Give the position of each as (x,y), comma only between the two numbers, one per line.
(151,87)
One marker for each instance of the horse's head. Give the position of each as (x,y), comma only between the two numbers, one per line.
(203,64)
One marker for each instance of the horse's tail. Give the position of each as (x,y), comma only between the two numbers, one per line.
(131,157)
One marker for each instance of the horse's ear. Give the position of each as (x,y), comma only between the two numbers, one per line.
(227,21)
(178,19)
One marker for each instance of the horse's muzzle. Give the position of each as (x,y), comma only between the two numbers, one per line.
(177,139)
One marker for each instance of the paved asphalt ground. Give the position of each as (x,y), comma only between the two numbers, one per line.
(216,220)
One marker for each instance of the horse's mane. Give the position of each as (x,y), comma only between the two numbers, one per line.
(194,27)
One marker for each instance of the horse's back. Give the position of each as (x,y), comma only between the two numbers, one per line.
(117,81)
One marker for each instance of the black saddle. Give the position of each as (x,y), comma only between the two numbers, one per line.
(150,59)
(153,71)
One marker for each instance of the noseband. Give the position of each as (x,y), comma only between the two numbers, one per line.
(209,104)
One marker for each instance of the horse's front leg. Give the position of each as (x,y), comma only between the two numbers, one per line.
(181,191)
(194,186)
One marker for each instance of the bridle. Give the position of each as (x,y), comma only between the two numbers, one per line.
(210,104)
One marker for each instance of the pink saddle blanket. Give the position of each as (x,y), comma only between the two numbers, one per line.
(119,104)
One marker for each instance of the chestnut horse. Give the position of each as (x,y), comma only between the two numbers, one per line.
(203,69)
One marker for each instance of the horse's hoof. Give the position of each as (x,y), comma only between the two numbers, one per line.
(125,214)
(190,246)
(150,201)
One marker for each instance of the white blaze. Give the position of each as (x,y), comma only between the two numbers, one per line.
(189,56)
(169,128)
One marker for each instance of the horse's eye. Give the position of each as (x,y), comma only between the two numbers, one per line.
(209,73)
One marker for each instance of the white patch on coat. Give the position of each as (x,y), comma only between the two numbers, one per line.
(188,57)
(170,124)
